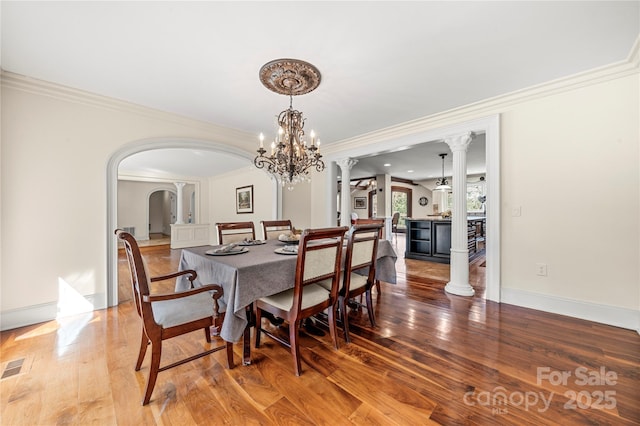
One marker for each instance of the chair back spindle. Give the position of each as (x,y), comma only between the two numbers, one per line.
(271,229)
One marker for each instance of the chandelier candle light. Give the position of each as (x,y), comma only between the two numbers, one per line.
(291,157)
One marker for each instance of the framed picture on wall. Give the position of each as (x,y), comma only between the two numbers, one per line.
(244,199)
(360,202)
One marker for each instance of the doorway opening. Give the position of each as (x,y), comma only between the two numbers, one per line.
(397,140)
(162,213)
(401,201)
(112,191)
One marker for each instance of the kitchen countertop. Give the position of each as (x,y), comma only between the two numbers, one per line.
(439,218)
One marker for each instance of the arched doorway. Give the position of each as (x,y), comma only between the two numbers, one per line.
(112,191)
(162,212)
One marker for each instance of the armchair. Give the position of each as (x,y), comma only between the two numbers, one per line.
(169,315)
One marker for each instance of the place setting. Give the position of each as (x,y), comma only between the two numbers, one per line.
(288,249)
(226,250)
(248,242)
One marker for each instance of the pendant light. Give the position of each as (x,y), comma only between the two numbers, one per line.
(442,184)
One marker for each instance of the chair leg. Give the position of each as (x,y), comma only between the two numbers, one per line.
(345,321)
(295,349)
(246,345)
(144,342)
(378,286)
(258,325)
(372,318)
(207,334)
(230,362)
(333,329)
(156,351)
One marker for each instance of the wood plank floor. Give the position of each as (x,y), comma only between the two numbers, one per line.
(433,359)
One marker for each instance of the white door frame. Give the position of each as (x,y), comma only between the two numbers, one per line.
(112,191)
(405,138)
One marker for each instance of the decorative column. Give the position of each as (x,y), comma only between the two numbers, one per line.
(459,267)
(179,218)
(345,190)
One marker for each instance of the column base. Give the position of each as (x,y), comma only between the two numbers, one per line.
(459,289)
(459,284)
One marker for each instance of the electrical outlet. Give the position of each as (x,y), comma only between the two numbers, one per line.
(541,269)
(516,211)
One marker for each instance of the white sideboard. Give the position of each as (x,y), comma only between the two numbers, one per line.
(189,235)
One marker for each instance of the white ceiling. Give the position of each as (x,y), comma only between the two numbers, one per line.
(382,63)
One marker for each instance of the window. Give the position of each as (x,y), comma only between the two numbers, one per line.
(401,202)
(475,190)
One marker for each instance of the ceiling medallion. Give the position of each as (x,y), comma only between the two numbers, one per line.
(291,157)
(290,76)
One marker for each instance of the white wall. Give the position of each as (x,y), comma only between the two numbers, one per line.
(133,205)
(134,189)
(56,145)
(222,196)
(570,161)
(361,193)
(296,204)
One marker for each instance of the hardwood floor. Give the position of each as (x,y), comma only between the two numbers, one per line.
(434,358)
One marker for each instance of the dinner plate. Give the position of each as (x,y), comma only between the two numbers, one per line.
(287,241)
(236,250)
(282,250)
(252,243)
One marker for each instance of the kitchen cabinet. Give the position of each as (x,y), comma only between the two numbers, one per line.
(430,239)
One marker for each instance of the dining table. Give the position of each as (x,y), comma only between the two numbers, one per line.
(259,270)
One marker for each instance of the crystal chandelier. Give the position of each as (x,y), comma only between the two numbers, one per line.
(291,158)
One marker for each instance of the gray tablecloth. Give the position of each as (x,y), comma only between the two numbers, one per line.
(258,273)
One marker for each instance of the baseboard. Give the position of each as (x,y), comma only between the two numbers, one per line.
(603,314)
(44,312)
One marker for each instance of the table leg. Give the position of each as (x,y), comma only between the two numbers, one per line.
(246,338)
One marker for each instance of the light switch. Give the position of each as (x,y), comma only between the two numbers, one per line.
(516,211)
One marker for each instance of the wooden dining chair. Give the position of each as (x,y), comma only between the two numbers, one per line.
(271,229)
(361,254)
(233,232)
(319,258)
(394,222)
(371,221)
(380,234)
(169,315)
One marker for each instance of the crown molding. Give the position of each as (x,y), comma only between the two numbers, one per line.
(48,89)
(634,54)
(494,105)
(156,178)
(629,66)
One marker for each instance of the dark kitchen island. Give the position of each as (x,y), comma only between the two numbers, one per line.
(430,238)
